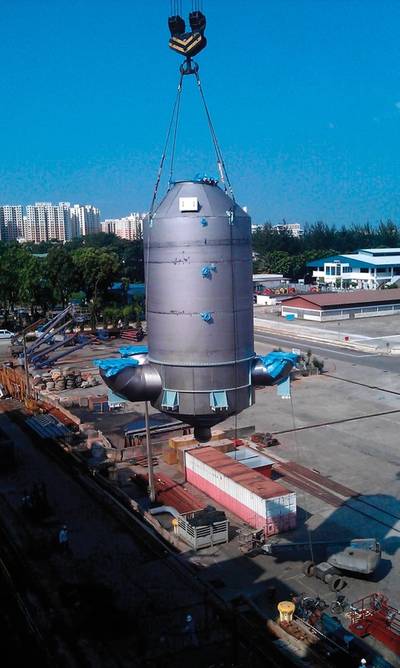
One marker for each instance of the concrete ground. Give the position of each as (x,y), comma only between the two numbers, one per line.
(349,432)
(345,424)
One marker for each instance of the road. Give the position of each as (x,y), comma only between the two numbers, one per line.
(328,351)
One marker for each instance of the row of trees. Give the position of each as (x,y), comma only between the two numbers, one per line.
(41,277)
(283,254)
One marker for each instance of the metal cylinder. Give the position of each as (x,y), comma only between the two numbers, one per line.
(198,264)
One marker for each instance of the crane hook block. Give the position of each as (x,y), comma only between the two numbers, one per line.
(187,44)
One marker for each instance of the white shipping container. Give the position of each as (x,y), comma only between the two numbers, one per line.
(271,509)
(239,493)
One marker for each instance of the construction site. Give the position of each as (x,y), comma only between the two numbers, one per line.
(236,520)
(192,493)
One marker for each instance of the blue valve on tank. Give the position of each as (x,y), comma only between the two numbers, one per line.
(206,316)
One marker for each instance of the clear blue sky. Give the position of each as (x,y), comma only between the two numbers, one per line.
(305,96)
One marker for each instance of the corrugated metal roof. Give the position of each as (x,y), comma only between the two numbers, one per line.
(241,474)
(380,251)
(360,259)
(349,298)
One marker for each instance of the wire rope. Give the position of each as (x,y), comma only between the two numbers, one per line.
(157,183)
(220,160)
(175,132)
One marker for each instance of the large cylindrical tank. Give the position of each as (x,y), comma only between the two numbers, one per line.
(198,265)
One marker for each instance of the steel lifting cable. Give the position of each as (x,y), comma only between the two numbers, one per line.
(220,160)
(178,106)
(161,165)
(175,112)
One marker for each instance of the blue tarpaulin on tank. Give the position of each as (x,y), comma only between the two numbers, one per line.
(113,366)
(127,351)
(275,362)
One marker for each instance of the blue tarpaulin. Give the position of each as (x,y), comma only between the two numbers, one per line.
(275,362)
(127,351)
(114,365)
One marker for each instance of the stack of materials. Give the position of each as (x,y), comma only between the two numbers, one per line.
(260,502)
(48,426)
(132,334)
(171,493)
(179,444)
(59,380)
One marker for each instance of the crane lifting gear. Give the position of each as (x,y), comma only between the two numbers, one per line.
(188,44)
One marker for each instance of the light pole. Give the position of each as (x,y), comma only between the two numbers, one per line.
(26,367)
(152,491)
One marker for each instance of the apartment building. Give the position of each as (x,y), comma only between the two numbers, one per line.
(11,222)
(130,227)
(85,219)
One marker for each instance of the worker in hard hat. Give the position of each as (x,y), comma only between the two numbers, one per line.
(190,635)
(363,663)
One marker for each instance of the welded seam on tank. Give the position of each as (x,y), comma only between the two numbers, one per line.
(196,262)
(196,313)
(214,389)
(200,243)
(204,364)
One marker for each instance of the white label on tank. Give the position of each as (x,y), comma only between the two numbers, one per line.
(188,204)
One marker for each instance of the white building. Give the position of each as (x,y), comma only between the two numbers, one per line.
(130,227)
(46,221)
(11,222)
(85,219)
(367,268)
(292,229)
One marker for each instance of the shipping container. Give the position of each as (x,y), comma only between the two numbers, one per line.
(259,501)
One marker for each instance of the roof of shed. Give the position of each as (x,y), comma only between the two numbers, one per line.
(349,298)
(239,473)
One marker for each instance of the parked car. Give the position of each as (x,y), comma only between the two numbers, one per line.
(6,334)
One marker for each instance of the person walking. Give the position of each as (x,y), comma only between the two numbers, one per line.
(190,631)
(63,538)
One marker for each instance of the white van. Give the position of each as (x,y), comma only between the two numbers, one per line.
(6,334)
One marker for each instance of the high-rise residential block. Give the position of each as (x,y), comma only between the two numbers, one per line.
(46,221)
(85,219)
(130,227)
(11,222)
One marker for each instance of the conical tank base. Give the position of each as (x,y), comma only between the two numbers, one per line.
(202,434)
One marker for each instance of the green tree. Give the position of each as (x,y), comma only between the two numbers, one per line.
(96,269)
(34,287)
(274,262)
(61,273)
(12,262)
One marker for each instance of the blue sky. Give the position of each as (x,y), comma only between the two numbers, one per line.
(305,97)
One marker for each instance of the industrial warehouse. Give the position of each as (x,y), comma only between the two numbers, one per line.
(343,305)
